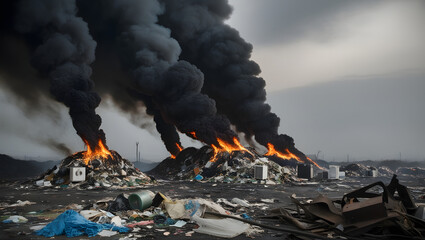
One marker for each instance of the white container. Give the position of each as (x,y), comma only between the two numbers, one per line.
(260,172)
(77,174)
(333,172)
(372,173)
(341,175)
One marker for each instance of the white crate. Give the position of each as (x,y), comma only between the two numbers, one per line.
(260,172)
(77,174)
(333,172)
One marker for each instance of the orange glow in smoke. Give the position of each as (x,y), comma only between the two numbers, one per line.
(193,135)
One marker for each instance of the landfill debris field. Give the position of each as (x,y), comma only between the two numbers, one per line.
(225,198)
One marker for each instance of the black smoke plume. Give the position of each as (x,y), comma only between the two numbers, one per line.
(61,50)
(113,66)
(171,89)
(231,78)
(17,75)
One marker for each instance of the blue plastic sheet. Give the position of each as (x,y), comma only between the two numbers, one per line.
(199,177)
(73,224)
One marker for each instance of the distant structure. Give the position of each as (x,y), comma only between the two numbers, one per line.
(137,152)
(333,172)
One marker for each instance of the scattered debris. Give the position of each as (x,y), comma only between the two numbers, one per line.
(18,203)
(72,224)
(226,228)
(107,233)
(179,224)
(15,219)
(240,202)
(365,213)
(141,200)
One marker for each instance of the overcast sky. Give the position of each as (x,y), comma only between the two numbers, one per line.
(322,48)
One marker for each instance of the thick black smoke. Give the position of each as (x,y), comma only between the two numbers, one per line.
(62,50)
(141,58)
(171,88)
(231,78)
(114,68)
(17,75)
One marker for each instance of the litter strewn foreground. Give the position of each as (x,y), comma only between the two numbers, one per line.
(178,210)
(374,211)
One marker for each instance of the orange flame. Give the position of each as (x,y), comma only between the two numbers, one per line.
(180,149)
(226,147)
(193,135)
(287,156)
(100,152)
(315,164)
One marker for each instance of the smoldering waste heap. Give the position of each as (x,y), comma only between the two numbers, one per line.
(236,167)
(111,172)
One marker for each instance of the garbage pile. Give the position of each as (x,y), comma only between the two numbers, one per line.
(372,212)
(145,211)
(411,171)
(357,170)
(236,167)
(111,172)
(385,171)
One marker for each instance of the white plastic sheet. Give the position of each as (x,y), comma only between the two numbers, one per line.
(225,228)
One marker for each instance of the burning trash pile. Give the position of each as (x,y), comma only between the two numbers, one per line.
(371,212)
(239,166)
(99,168)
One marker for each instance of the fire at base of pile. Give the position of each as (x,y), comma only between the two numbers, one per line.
(236,167)
(112,171)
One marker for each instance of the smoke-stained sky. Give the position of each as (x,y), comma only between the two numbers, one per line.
(303,44)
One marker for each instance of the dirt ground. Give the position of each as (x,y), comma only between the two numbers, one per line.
(51,202)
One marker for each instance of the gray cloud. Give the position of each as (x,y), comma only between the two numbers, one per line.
(367,117)
(278,21)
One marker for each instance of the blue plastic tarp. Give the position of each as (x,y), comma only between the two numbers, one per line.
(72,224)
